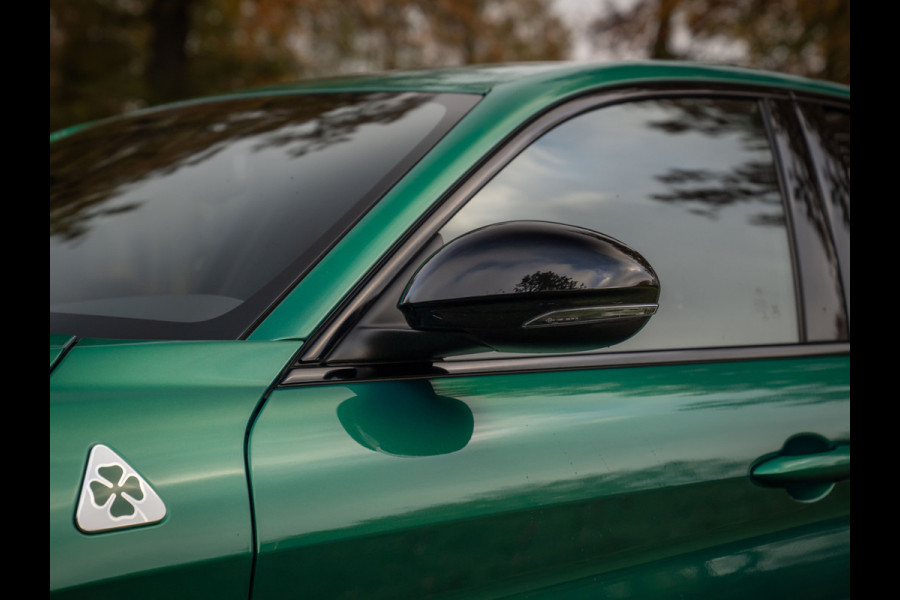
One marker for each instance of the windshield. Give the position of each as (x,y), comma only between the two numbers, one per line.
(189,222)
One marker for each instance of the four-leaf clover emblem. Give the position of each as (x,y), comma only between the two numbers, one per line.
(114,495)
(120,493)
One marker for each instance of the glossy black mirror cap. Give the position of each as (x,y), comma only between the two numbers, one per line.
(530,286)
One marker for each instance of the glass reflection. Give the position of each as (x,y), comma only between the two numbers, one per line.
(825,316)
(183,214)
(688,183)
(828,130)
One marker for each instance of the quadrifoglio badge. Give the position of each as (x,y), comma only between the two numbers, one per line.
(114,495)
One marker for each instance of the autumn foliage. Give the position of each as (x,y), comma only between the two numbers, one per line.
(110,56)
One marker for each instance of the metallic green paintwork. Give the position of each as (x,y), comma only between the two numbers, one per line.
(793,562)
(557,478)
(629,483)
(178,413)
(512,96)
(826,466)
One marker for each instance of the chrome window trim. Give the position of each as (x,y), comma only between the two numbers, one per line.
(330,333)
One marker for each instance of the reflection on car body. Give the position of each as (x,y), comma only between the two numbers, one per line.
(507,331)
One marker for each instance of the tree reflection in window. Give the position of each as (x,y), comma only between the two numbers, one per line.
(688,182)
(708,191)
(103,161)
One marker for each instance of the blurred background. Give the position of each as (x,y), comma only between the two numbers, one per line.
(112,56)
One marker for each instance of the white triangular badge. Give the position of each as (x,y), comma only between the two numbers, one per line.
(113,495)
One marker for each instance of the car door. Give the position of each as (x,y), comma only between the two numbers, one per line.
(706,456)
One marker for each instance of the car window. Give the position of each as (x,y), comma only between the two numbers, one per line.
(188,222)
(689,183)
(828,128)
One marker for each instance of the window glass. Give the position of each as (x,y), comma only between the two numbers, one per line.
(829,134)
(189,222)
(688,183)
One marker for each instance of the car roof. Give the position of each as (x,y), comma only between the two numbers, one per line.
(536,83)
(481,79)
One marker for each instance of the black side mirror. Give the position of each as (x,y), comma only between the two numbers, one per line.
(529,286)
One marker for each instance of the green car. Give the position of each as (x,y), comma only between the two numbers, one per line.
(520,331)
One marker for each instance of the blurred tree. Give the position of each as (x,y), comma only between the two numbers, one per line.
(169,22)
(107,56)
(96,54)
(803,37)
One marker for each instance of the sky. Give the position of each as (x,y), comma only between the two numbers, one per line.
(578,14)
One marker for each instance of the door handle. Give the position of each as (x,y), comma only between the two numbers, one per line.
(780,471)
(807,467)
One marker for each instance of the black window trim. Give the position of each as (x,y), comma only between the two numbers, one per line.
(810,138)
(312,363)
(304,374)
(790,141)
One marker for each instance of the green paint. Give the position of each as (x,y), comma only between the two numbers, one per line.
(180,412)
(619,482)
(566,475)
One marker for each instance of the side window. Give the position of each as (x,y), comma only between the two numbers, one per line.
(828,129)
(689,183)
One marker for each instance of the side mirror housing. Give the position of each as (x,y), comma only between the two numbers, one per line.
(530,286)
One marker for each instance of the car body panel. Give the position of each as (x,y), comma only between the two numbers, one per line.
(481,79)
(793,561)
(178,413)
(569,476)
(558,78)
(363,490)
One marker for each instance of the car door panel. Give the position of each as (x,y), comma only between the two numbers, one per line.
(566,477)
(793,563)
